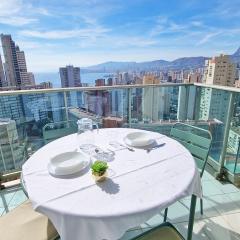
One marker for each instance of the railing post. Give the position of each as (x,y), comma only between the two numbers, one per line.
(183,97)
(236,161)
(4,164)
(66,107)
(226,134)
(130,107)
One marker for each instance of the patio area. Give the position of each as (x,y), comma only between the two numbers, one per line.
(221,219)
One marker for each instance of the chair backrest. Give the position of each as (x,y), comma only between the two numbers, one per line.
(53,131)
(197,140)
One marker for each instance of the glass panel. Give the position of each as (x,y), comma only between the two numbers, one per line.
(158,108)
(232,162)
(109,108)
(22,121)
(28,121)
(211,113)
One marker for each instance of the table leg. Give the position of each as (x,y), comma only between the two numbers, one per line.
(191,217)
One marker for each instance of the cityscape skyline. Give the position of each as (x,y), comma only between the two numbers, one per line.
(84,33)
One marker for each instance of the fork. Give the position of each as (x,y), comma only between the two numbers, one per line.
(121,145)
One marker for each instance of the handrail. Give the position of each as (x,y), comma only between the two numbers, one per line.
(114,87)
(80,89)
(218,87)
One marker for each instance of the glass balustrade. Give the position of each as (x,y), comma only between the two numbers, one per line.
(30,119)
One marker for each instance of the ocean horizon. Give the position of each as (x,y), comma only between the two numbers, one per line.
(54,78)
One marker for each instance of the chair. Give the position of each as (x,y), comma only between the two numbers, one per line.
(53,131)
(24,223)
(166,231)
(198,141)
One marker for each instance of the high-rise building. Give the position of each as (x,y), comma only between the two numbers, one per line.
(46,85)
(11,65)
(125,78)
(15,63)
(22,66)
(153,108)
(213,103)
(2,75)
(100,82)
(31,78)
(150,79)
(109,81)
(220,71)
(70,76)
(193,77)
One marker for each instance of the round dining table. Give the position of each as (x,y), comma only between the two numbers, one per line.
(141,182)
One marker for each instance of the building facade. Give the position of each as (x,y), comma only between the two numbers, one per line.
(214,104)
(2,75)
(15,63)
(70,76)
(220,71)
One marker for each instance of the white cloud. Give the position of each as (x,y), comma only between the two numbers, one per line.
(65,34)
(165,25)
(9,7)
(208,37)
(17,21)
(19,12)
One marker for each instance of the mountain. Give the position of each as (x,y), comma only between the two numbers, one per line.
(180,63)
(237,53)
(236,57)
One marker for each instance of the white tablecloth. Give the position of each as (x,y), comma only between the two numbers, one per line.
(140,185)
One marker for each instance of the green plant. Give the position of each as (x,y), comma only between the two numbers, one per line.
(99,168)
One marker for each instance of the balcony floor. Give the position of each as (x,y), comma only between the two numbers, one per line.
(221,219)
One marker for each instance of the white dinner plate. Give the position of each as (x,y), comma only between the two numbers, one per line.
(138,139)
(68,163)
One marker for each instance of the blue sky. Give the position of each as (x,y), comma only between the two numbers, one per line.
(55,33)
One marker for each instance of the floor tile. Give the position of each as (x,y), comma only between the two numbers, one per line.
(217,228)
(209,209)
(226,187)
(178,212)
(130,234)
(7,195)
(223,204)
(4,212)
(207,176)
(234,221)
(18,198)
(209,189)
(235,197)
(155,220)
(198,234)
(1,210)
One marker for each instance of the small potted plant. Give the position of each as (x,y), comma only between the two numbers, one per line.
(99,170)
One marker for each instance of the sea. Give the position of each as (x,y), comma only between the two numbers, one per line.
(54,78)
